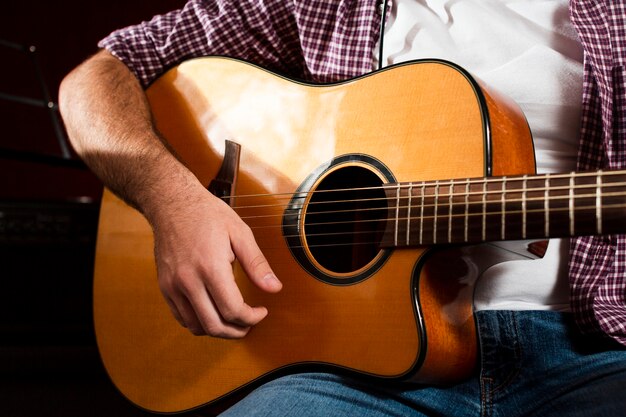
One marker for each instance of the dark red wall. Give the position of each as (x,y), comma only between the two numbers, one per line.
(48,358)
(64,33)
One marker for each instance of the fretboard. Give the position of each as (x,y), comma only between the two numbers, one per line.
(505,208)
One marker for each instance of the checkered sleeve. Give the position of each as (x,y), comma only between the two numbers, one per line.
(314,40)
(209,27)
(598,264)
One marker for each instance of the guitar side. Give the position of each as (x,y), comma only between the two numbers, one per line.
(401,318)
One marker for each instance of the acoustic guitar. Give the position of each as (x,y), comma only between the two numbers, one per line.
(371,198)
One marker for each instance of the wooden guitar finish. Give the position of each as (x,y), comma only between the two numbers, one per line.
(390,313)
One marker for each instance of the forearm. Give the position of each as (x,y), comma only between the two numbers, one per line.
(110,125)
(197,236)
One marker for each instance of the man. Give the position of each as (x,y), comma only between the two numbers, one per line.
(533,358)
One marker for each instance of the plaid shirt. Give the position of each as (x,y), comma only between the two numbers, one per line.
(331,40)
(598,264)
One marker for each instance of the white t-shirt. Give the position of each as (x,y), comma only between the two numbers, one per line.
(528,50)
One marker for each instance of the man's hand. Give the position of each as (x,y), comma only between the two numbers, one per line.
(197,236)
(195,246)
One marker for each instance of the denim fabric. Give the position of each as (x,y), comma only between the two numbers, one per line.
(532,363)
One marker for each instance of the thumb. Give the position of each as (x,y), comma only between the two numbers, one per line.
(254,263)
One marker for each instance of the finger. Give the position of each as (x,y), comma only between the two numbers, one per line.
(173,301)
(188,316)
(174,310)
(254,263)
(213,324)
(203,319)
(228,300)
(217,310)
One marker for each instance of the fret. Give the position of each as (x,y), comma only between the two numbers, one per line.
(534,215)
(408,213)
(484,212)
(613,203)
(524,208)
(561,205)
(585,210)
(423,203)
(436,209)
(599,203)
(451,204)
(571,205)
(503,210)
(395,235)
(546,206)
(466,217)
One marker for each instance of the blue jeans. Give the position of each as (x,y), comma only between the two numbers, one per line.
(533,363)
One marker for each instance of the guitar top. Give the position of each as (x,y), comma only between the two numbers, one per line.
(315,180)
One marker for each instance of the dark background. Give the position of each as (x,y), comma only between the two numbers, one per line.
(49,202)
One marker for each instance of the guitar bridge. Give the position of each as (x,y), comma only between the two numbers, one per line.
(223,185)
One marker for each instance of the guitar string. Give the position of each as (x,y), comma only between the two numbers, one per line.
(470,181)
(497,193)
(450,196)
(458,183)
(440,204)
(434,219)
(385,242)
(445,216)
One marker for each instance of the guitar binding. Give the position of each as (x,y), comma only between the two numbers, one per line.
(334,223)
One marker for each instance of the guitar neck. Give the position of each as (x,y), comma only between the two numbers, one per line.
(505,208)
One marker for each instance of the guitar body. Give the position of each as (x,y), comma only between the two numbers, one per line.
(386,313)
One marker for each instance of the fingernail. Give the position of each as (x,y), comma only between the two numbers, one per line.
(273,281)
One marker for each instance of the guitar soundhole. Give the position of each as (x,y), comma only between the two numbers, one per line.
(344,220)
